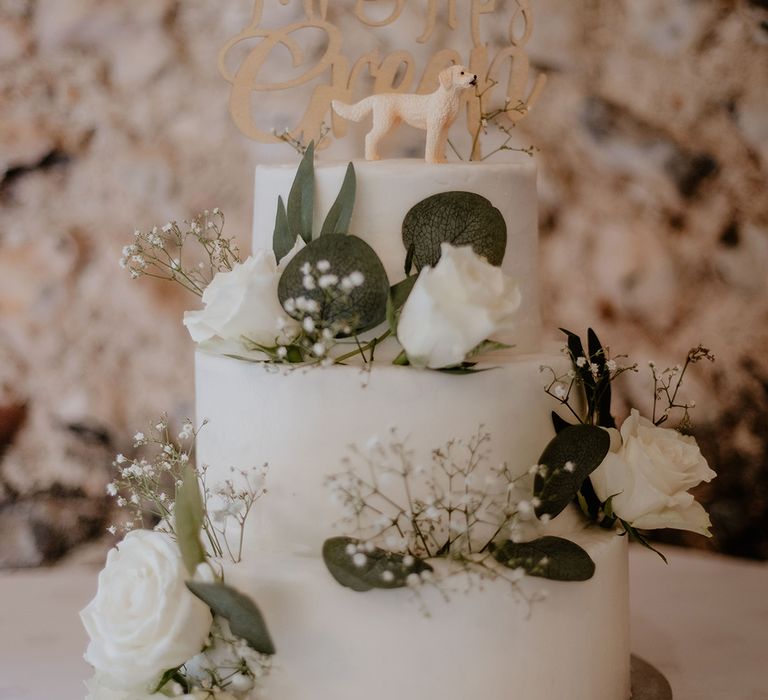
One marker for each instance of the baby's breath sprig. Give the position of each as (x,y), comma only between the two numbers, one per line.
(299,145)
(319,330)
(667,383)
(146,486)
(493,118)
(163,253)
(454,508)
(568,388)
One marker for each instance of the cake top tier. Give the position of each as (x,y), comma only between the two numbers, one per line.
(387,191)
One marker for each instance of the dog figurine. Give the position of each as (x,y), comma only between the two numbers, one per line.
(435,113)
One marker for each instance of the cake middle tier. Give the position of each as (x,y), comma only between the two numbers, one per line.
(386,192)
(303,422)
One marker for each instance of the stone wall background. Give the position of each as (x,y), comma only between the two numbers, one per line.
(653,133)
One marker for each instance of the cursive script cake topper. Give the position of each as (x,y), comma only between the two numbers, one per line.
(329,73)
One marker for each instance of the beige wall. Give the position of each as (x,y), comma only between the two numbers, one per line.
(654,148)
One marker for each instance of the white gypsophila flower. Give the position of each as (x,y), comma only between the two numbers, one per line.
(143,619)
(455,306)
(649,471)
(243,302)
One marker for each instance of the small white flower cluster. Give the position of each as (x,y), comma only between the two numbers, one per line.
(161,252)
(146,487)
(226,664)
(454,507)
(319,335)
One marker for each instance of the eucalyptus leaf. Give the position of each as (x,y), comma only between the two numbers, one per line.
(409,258)
(282,240)
(549,557)
(301,198)
(572,455)
(458,218)
(188,513)
(402,359)
(245,618)
(365,306)
(340,213)
(377,568)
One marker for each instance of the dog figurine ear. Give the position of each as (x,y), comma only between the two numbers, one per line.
(446,78)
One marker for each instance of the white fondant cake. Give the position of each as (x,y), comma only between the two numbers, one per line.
(481,641)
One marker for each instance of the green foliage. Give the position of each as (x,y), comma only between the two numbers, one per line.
(340,213)
(548,557)
(245,618)
(572,455)
(362,308)
(597,386)
(378,568)
(189,513)
(282,241)
(458,218)
(301,198)
(398,295)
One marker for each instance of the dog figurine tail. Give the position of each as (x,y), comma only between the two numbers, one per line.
(354,112)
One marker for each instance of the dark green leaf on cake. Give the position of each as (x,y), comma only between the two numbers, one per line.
(245,618)
(365,570)
(301,198)
(282,240)
(398,295)
(559,423)
(365,306)
(188,519)
(409,258)
(602,400)
(465,368)
(458,218)
(340,213)
(571,456)
(549,557)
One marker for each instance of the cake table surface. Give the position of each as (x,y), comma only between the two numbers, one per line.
(701,621)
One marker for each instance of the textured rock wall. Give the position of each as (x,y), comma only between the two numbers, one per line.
(654,149)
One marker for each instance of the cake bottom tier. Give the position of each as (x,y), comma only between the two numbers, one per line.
(469,639)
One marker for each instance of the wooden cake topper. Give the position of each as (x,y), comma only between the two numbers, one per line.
(335,76)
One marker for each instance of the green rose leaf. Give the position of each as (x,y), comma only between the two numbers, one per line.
(572,455)
(458,218)
(245,618)
(549,557)
(398,295)
(362,308)
(340,213)
(188,519)
(375,569)
(301,198)
(282,241)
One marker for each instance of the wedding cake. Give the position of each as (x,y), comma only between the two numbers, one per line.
(396,485)
(481,639)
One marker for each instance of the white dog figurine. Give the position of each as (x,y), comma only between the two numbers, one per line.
(435,113)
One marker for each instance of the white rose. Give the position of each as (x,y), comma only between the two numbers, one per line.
(143,619)
(649,471)
(243,302)
(454,307)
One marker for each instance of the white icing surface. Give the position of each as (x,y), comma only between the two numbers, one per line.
(481,643)
(386,191)
(302,421)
